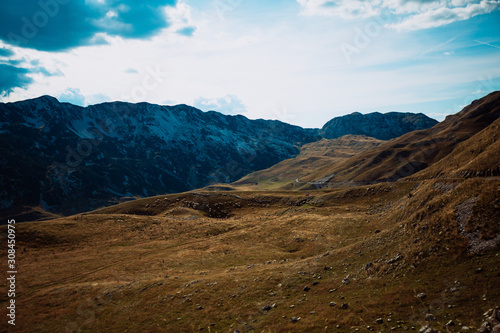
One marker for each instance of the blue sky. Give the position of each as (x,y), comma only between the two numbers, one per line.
(302,62)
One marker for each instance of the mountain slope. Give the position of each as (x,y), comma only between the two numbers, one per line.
(290,173)
(476,156)
(416,150)
(382,126)
(68,159)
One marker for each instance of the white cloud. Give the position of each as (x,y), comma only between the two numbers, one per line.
(180,18)
(445,15)
(409,14)
(73,96)
(97,99)
(229,104)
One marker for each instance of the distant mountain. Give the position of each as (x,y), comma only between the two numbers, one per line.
(66,159)
(464,144)
(382,126)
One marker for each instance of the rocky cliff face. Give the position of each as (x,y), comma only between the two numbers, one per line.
(68,159)
(382,126)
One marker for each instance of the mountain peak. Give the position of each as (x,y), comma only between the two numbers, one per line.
(382,126)
(45,98)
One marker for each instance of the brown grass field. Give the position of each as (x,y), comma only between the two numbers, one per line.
(227,261)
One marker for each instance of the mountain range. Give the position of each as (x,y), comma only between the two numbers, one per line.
(58,158)
(463,145)
(352,234)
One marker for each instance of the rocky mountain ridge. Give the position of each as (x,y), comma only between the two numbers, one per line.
(382,126)
(71,159)
(67,159)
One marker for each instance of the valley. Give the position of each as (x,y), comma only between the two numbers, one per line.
(416,253)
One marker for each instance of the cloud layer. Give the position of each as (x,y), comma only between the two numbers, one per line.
(406,14)
(55,25)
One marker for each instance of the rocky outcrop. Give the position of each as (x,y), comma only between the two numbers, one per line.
(491,322)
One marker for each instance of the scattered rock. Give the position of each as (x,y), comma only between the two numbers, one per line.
(450,323)
(266,308)
(346,280)
(377,231)
(333,303)
(344,306)
(430,317)
(478,270)
(427,329)
(379,321)
(315,283)
(368,266)
(491,323)
(396,258)
(306,288)
(294,319)
(421,296)
(274,306)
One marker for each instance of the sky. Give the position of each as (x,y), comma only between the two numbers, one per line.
(302,62)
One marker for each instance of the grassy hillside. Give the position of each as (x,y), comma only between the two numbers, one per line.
(294,173)
(253,261)
(415,151)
